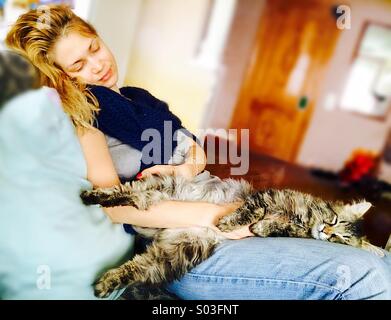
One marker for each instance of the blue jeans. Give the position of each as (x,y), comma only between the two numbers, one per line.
(287,268)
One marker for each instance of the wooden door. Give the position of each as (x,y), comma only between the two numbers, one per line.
(296,39)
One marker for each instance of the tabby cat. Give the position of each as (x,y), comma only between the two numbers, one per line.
(173,252)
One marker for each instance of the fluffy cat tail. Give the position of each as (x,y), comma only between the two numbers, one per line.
(388,245)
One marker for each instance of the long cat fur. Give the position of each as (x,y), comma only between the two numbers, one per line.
(271,212)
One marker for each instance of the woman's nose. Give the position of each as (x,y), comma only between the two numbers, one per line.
(97,66)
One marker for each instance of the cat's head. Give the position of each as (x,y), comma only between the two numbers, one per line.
(343,224)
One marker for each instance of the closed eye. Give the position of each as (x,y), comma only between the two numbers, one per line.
(77,67)
(95,46)
(338,235)
(96,49)
(334,222)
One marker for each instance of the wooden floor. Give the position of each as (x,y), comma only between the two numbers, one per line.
(268,172)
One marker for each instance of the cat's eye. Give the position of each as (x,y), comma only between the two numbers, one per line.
(340,236)
(334,222)
(333,236)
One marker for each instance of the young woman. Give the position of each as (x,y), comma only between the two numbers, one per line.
(74,60)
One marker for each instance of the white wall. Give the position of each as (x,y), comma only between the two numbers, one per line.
(116,22)
(236,58)
(333,133)
(164,58)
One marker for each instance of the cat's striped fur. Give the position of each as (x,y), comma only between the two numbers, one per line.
(173,252)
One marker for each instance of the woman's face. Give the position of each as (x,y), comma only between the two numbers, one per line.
(86,59)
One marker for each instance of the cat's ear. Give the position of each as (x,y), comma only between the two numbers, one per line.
(359,209)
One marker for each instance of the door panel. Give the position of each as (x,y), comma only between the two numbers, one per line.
(295,41)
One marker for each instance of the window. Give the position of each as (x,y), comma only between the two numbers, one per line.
(368,88)
(218,20)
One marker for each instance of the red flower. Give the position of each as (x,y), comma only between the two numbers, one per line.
(361,163)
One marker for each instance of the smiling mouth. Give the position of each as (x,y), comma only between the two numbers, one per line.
(107,76)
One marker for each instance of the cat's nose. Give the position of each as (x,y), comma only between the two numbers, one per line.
(327,230)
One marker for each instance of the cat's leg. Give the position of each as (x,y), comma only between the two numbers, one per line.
(366,245)
(169,257)
(108,197)
(266,228)
(140,194)
(245,215)
(388,245)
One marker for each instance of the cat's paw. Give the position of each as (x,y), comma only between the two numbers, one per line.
(109,282)
(371,248)
(90,197)
(259,229)
(225,224)
(110,197)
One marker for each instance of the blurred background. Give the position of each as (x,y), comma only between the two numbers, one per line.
(310,79)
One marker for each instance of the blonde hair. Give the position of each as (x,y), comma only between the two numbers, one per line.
(34,40)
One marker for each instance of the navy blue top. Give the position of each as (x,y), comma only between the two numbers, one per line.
(134,112)
(128,115)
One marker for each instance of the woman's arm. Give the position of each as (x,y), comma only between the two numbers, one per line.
(171,214)
(167,214)
(195,159)
(194,163)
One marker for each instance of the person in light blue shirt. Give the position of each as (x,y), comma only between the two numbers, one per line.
(51,245)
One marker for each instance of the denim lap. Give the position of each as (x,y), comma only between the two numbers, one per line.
(287,268)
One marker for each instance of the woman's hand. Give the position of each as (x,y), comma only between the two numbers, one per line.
(194,163)
(211,221)
(240,233)
(185,170)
